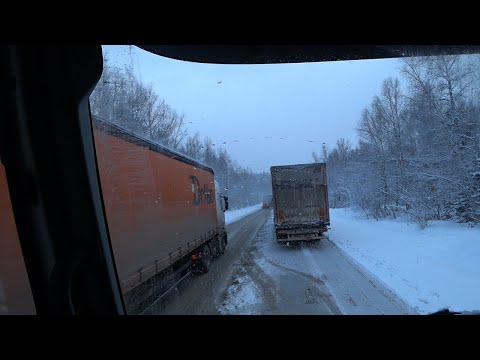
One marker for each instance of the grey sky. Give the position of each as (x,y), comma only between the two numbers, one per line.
(268,115)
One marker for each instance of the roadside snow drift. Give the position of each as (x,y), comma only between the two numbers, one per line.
(235,215)
(431,269)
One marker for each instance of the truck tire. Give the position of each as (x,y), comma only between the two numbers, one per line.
(222,244)
(206,259)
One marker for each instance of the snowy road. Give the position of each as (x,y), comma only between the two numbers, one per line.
(258,276)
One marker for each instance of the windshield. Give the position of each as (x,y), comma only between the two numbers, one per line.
(343,187)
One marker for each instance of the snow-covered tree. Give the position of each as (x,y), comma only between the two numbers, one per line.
(419,149)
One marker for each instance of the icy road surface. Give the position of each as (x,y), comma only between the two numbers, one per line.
(259,276)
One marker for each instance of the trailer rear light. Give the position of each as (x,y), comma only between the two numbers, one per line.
(196,256)
(322,212)
(281,215)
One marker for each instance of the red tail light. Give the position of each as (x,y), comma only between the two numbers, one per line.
(281,215)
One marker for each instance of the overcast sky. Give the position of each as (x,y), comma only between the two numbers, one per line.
(268,115)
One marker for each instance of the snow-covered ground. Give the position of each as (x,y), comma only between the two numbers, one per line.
(235,215)
(243,297)
(431,269)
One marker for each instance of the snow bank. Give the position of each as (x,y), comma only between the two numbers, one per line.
(430,269)
(235,215)
(243,297)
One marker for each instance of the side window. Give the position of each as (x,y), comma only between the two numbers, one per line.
(15,293)
(165,189)
(160,206)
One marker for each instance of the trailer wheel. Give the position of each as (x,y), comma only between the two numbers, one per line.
(206,259)
(222,241)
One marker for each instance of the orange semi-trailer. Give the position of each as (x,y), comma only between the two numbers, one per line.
(164,211)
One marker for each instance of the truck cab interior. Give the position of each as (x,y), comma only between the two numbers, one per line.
(50,168)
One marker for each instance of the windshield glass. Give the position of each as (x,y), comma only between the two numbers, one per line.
(344,187)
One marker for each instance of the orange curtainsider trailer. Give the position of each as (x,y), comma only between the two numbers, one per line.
(164,212)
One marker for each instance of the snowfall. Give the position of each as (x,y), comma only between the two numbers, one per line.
(431,269)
